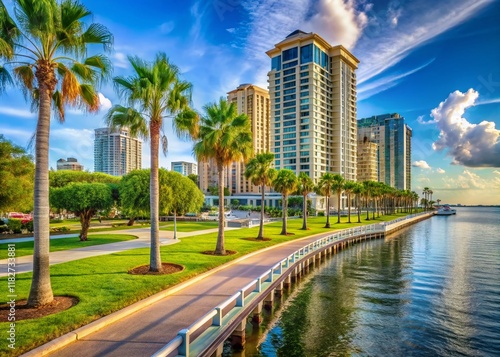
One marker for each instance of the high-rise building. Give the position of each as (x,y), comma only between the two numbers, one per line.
(393,137)
(70,164)
(254,102)
(184,168)
(367,160)
(116,152)
(312,85)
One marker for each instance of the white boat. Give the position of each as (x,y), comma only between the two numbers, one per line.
(445,210)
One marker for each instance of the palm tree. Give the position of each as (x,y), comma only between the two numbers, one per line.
(285,183)
(225,136)
(358,190)
(259,170)
(425,192)
(305,186)
(153,93)
(338,187)
(324,188)
(45,50)
(349,189)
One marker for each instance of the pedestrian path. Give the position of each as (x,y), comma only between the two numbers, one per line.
(25,263)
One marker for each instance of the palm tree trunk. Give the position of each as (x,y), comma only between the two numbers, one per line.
(358,203)
(338,207)
(175,224)
(41,290)
(367,208)
(327,225)
(261,229)
(304,213)
(219,249)
(349,207)
(285,213)
(154,187)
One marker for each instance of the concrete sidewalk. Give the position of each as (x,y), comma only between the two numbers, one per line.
(145,331)
(24,264)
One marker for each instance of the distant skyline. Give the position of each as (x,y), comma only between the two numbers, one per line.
(434,62)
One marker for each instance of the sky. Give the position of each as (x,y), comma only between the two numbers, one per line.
(436,63)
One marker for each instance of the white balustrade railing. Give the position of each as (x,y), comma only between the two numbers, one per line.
(181,343)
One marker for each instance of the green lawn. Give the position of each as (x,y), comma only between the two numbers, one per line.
(103,285)
(190,226)
(26,248)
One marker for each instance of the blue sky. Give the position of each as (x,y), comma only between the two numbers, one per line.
(437,63)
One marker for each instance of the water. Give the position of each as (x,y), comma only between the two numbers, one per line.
(430,290)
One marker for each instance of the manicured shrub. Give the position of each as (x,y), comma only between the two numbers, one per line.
(15,225)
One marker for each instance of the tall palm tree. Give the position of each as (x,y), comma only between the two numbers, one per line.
(425,192)
(338,187)
(305,186)
(349,189)
(259,170)
(225,136)
(46,50)
(152,94)
(324,188)
(285,183)
(358,190)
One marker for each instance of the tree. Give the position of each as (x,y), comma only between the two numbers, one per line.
(305,186)
(194,178)
(84,200)
(16,177)
(324,188)
(349,187)
(285,183)
(338,187)
(153,93)
(225,136)
(358,191)
(260,171)
(214,190)
(45,49)
(65,177)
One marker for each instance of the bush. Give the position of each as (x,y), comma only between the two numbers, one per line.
(56,220)
(15,225)
(28,226)
(4,229)
(321,214)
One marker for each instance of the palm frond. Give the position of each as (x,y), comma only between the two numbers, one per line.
(5,79)
(58,105)
(119,116)
(164,144)
(36,17)
(89,99)
(70,90)
(98,34)
(26,76)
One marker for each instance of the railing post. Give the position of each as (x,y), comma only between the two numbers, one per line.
(240,300)
(183,349)
(258,286)
(270,277)
(217,320)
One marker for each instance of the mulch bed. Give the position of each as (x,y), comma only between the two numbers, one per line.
(22,312)
(212,252)
(167,268)
(257,239)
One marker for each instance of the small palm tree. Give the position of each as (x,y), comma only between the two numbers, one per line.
(154,93)
(324,188)
(305,186)
(349,189)
(259,170)
(225,136)
(46,50)
(285,183)
(358,190)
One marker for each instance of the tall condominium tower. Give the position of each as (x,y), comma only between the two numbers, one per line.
(184,168)
(116,152)
(312,85)
(393,137)
(254,102)
(367,160)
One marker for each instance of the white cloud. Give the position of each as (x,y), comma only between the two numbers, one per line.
(472,145)
(120,60)
(167,27)
(468,180)
(77,143)
(19,113)
(488,101)
(422,164)
(421,120)
(440,171)
(105,103)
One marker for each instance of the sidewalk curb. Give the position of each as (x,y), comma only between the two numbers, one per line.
(81,332)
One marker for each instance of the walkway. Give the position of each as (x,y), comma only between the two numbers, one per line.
(149,329)
(24,264)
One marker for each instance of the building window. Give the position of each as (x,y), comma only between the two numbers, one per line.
(276,63)
(290,54)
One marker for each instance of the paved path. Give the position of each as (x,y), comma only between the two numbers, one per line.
(25,263)
(146,331)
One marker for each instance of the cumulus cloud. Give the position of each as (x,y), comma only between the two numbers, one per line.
(422,164)
(120,60)
(468,180)
(19,113)
(440,171)
(167,27)
(471,145)
(105,103)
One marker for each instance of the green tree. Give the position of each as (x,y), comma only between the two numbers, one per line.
(358,190)
(349,189)
(84,200)
(338,188)
(153,93)
(285,183)
(260,171)
(194,178)
(65,177)
(45,49)
(305,186)
(16,178)
(225,136)
(325,188)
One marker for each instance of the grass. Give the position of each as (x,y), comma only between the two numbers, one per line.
(190,226)
(26,248)
(103,285)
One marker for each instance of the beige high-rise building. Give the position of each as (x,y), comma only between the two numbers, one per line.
(254,102)
(312,86)
(70,164)
(367,160)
